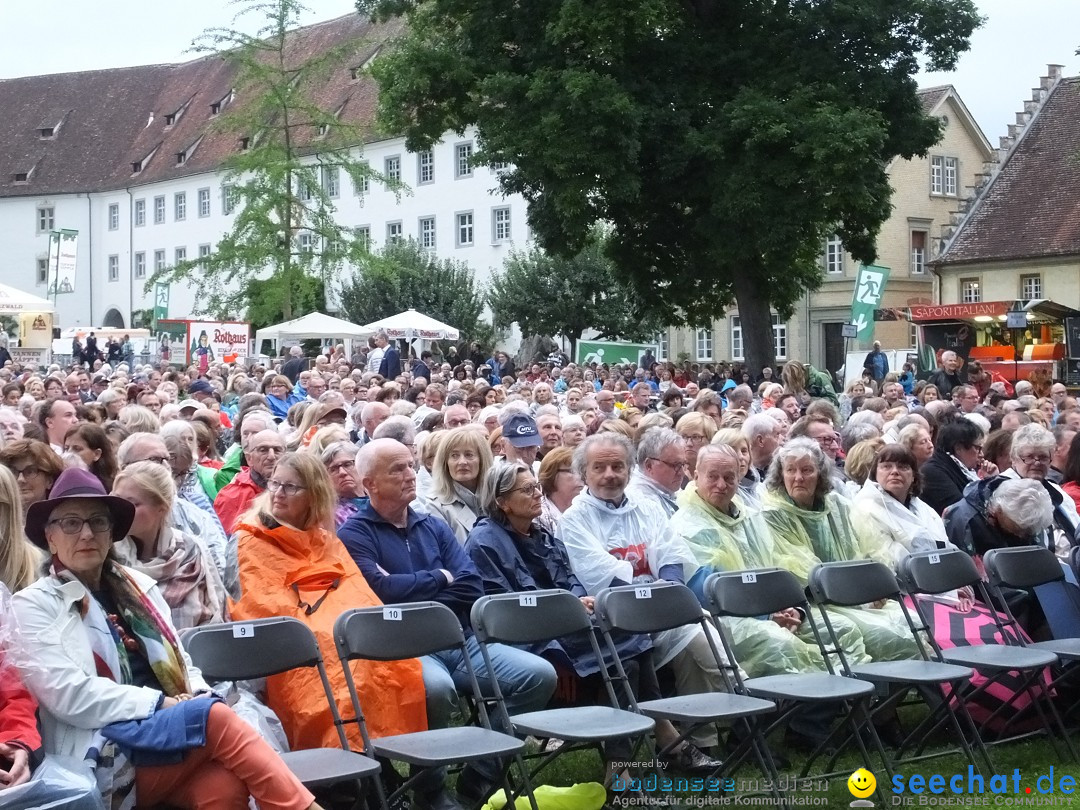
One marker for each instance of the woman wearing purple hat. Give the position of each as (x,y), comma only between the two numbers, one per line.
(101,655)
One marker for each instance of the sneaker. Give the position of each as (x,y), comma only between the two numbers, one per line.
(691,759)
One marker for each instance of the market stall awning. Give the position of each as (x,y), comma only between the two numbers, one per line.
(986,311)
(13,301)
(410,325)
(315,325)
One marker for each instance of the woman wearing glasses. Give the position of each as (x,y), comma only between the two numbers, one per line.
(35,467)
(290,564)
(101,650)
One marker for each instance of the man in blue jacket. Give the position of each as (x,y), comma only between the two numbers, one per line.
(408,556)
(390,365)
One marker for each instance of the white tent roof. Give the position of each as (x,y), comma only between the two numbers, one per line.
(410,325)
(13,301)
(313,325)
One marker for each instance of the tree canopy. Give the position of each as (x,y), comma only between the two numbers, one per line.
(722,140)
(402,275)
(550,294)
(284,229)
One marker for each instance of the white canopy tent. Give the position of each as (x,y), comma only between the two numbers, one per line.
(13,302)
(315,325)
(412,325)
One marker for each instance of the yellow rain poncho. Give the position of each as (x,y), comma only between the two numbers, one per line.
(723,542)
(826,532)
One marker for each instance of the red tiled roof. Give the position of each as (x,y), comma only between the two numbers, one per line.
(1032,207)
(113,118)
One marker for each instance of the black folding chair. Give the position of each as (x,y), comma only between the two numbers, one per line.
(259,648)
(935,572)
(762,592)
(859,582)
(662,606)
(1027,568)
(412,630)
(537,616)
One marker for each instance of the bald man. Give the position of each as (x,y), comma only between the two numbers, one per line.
(372,415)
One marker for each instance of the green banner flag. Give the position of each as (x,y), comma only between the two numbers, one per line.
(869,290)
(604,351)
(161,303)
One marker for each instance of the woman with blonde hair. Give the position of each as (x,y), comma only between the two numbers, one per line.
(616,426)
(632,416)
(180,564)
(290,564)
(20,561)
(860,459)
(697,429)
(458,474)
(139,419)
(559,485)
(749,480)
(427,446)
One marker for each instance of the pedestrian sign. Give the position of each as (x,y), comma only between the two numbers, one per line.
(869,290)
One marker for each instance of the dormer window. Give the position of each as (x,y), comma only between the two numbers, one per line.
(49,126)
(245,144)
(47,133)
(182,157)
(219,105)
(136,166)
(324,130)
(354,73)
(170,119)
(21,177)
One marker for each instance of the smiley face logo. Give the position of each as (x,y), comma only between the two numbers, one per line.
(861,783)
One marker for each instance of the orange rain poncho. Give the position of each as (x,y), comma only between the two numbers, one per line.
(272,561)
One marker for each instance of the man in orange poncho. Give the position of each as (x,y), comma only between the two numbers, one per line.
(308,574)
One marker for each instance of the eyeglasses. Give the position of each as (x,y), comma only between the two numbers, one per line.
(289,489)
(73,526)
(1035,459)
(528,489)
(155,459)
(696,438)
(678,467)
(27,472)
(340,467)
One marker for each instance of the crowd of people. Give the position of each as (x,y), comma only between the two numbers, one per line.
(139,501)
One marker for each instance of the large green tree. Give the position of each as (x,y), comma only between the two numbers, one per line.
(403,275)
(284,236)
(722,140)
(551,294)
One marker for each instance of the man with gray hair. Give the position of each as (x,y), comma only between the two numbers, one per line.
(764,434)
(661,470)
(401,429)
(740,398)
(1063,436)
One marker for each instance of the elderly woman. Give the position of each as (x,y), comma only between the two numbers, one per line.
(573,430)
(956,462)
(513,553)
(559,486)
(339,459)
(35,466)
(12,425)
(800,506)
(749,480)
(697,429)
(194,482)
(279,394)
(289,564)
(180,564)
(917,441)
(101,650)
(457,479)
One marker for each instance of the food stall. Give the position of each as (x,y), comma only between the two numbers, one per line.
(1013,338)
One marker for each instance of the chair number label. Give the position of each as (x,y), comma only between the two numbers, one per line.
(749,577)
(643,593)
(391,614)
(933,559)
(243,631)
(527,600)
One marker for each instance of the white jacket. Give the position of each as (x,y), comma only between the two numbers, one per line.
(57,666)
(457,514)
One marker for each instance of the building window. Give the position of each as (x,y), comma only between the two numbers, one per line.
(970,291)
(204,202)
(179,255)
(913,336)
(944,175)
(159,260)
(918,252)
(114,217)
(393,232)
(392,169)
(159,210)
(499,166)
(204,251)
(305,242)
(180,206)
(1031,287)
(140,213)
(303,190)
(114,268)
(834,255)
(42,271)
(465,229)
(140,265)
(229,198)
(779,337)
(704,344)
(331,181)
(425,167)
(360,184)
(661,346)
(463,160)
(427,233)
(362,235)
(46,219)
(500,224)
(736,337)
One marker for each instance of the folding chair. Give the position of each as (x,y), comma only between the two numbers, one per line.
(859,582)
(239,651)
(537,616)
(1027,568)
(662,606)
(762,592)
(934,572)
(412,630)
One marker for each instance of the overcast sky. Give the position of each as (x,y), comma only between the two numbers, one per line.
(1008,54)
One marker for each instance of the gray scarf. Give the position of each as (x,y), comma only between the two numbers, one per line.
(468,497)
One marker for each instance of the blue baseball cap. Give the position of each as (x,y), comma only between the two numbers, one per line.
(520,430)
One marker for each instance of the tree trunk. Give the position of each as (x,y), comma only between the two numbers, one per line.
(756,319)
